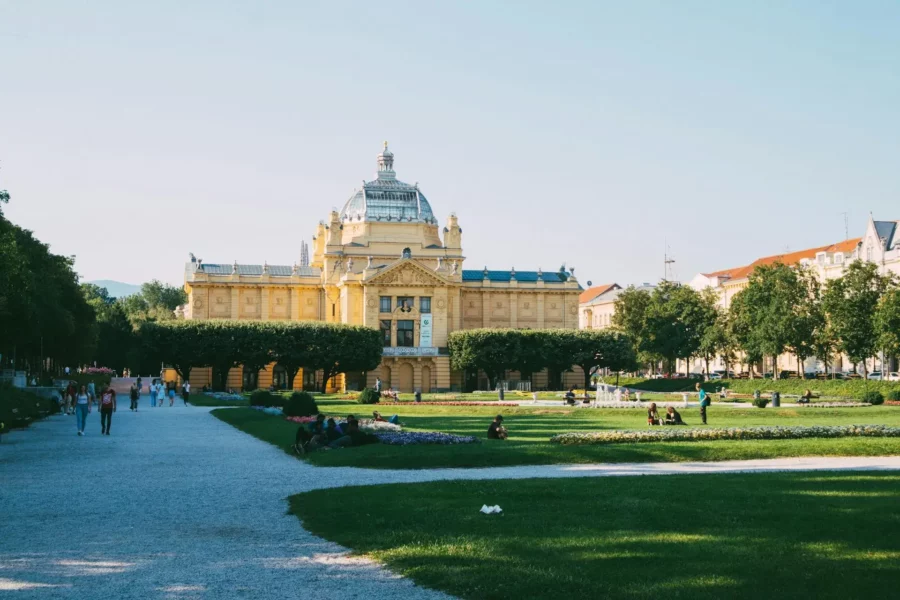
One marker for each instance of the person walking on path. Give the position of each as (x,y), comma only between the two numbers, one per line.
(71,392)
(160,393)
(82,408)
(186,392)
(107,408)
(704,402)
(92,391)
(152,394)
(171,393)
(135,396)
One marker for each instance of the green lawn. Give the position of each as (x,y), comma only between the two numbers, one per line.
(531,427)
(799,535)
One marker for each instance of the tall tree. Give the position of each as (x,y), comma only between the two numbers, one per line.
(629,318)
(887,322)
(851,302)
(674,322)
(163,295)
(600,349)
(493,351)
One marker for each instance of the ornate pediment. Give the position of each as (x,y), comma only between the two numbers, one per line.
(406,272)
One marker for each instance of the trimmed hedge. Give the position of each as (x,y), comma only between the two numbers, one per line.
(368,396)
(894,395)
(266,399)
(301,404)
(873,397)
(843,388)
(20,407)
(676,434)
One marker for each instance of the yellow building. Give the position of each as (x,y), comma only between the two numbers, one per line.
(383,262)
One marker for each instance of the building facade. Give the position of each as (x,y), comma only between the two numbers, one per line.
(879,244)
(384,262)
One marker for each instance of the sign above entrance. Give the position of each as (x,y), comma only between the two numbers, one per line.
(410,351)
(425,330)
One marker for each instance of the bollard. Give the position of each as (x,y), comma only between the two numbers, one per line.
(776,399)
(418,395)
(684,398)
(500,392)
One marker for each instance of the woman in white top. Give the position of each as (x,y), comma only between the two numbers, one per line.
(160,392)
(82,408)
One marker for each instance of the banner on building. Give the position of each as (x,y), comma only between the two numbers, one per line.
(425,331)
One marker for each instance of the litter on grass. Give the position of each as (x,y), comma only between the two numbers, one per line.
(491,510)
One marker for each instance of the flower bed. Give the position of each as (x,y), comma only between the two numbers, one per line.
(835,405)
(269,410)
(674,434)
(300,420)
(892,402)
(225,396)
(461,403)
(408,438)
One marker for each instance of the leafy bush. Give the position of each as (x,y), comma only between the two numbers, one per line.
(265,398)
(301,404)
(674,434)
(760,402)
(843,388)
(368,396)
(19,407)
(873,397)
(894,395)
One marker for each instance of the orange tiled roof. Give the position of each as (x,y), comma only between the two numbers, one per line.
(791,258)
(594,291)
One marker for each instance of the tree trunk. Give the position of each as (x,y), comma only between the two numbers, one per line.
(587,378)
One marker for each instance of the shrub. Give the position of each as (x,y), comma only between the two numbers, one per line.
(760,402)
(674,434)
(19,407)
(873,397)
(368,396)
(894,395)
(301,404)
(265,398)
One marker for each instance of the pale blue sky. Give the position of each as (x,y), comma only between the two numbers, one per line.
(132,133)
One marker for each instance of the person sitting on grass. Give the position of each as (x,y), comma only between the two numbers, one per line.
(806,397)
(673,417)
(376,416)
(336,437)
(392,394)
(652,415)
(496,430)
(359,438)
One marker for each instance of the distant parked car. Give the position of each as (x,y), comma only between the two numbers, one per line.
(715,376)
(875,375)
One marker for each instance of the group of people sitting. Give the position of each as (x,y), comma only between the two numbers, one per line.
(327,434)
(672,416)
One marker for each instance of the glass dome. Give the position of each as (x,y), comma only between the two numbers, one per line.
(387,199)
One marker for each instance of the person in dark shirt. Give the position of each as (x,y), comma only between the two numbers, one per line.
(673,417)
(570,396)
(653,415)
(496,431)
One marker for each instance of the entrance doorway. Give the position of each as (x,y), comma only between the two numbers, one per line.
(405,377)
(309,380)
(279,377)
(249,380)
(426,380)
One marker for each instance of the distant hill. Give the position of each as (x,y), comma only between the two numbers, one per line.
(117,289)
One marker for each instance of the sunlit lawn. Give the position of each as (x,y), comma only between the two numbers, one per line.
(531,428)
(798,535)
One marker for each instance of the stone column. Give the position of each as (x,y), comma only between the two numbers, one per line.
(235,303)
(295,304)
(264,304)
(486,309)
(540,311)
(513,310)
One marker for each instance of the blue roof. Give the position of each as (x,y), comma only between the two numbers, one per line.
(529,276)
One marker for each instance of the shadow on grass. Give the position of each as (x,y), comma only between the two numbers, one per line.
(706,536)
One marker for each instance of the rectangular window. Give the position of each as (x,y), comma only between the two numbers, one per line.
(405,303)
(386,333)
(425,305)
(385,304)
(333,310)
(405,333)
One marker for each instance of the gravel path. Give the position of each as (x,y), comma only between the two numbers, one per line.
(177,504)
(174,504)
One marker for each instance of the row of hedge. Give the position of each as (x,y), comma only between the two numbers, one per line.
(844,388)
(19,407)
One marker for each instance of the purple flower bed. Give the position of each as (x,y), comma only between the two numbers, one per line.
(409,438)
